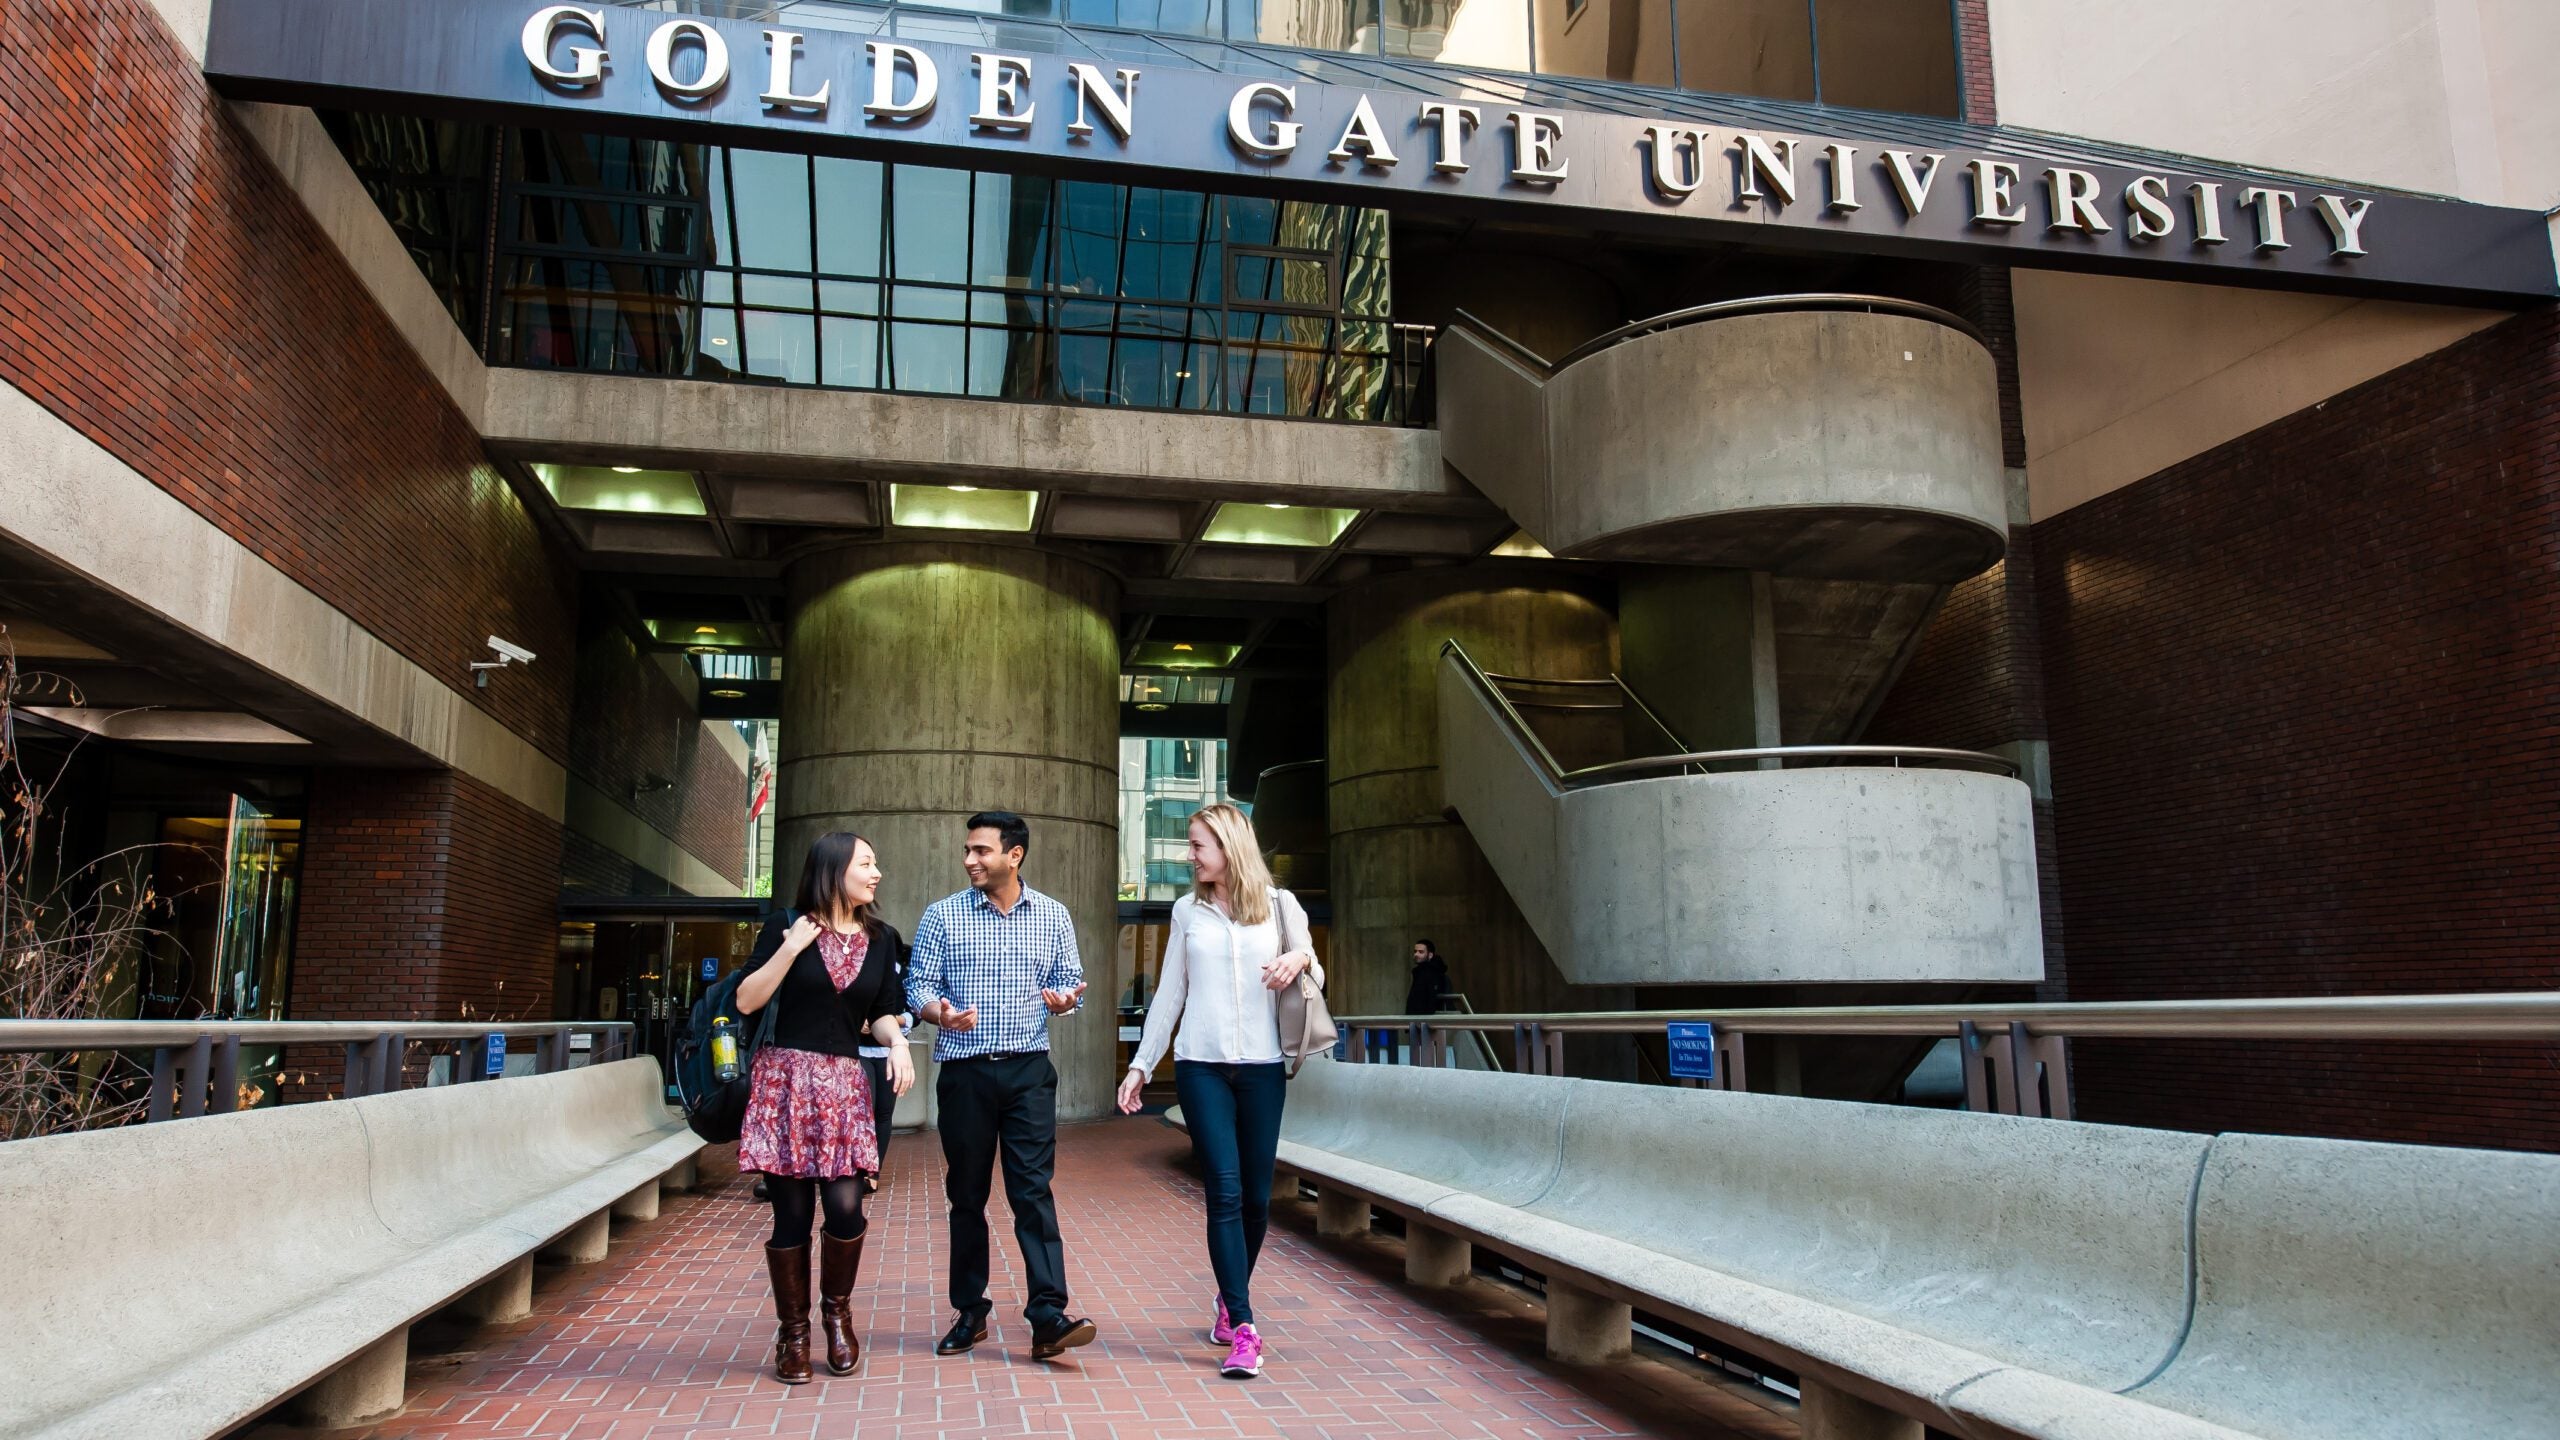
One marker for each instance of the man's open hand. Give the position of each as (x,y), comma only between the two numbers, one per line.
(1062,1001)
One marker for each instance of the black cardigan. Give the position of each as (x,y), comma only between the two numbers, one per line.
(815,1015)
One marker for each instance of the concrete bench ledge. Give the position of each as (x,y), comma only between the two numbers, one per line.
(178,1279)
(1991,1276)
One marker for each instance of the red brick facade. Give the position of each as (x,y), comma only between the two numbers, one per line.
(168,296)
(1973,57)
(2304,697)
(425,895)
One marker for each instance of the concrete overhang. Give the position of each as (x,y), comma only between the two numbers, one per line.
(797,434)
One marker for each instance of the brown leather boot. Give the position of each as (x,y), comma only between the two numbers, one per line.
(839,1265)
(791,1307)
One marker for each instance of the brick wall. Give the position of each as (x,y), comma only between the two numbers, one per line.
(2304,693)
(1973,59)
(167,295)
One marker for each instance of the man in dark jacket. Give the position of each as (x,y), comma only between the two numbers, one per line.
(1430,980)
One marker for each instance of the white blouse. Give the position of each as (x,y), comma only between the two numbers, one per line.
(1212,985)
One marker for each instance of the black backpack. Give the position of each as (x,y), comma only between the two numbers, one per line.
(716,1109)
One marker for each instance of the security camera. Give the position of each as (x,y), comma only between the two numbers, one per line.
(508,653)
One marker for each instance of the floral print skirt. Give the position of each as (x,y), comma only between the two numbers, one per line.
(808,1115)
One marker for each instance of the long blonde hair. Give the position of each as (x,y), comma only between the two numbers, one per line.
(1248,882)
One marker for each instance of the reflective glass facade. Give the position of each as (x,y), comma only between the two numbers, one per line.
(1897,55)
(645,257)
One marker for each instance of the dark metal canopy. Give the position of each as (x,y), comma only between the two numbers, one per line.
(1378,132)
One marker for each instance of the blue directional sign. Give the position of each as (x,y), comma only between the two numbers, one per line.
(1693,1050)
(497,1062)
(710,967)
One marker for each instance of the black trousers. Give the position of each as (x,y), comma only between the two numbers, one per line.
(1003,1107)
(883,1104)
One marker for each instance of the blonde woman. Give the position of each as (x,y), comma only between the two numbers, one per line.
(1236,942)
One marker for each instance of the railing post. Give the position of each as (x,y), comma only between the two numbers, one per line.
(2053,1058)
(1729,1048)
(391,1057)
(2025,1098)
(1553,1047)
(1523,1061)
(226,1075)
(1977,1096)
(191,1090)
(158,1109)
(359,1068)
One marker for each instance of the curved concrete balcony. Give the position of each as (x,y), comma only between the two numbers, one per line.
(1880,865)
(1841,437)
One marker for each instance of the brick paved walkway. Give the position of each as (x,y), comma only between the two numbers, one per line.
(671,1335)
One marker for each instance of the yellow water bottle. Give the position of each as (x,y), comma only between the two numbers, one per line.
(724,1048)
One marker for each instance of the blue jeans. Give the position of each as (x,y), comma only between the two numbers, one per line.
(1233,1112)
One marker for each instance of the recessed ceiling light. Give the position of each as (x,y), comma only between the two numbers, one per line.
(964,489)
(728,694)
(626,469)
(719,339)
(1274,505)
(1153,706)
(706,629)
(1181,374)
(1181,644)
(704,650)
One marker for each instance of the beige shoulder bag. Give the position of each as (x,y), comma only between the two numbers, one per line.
(1306,1026)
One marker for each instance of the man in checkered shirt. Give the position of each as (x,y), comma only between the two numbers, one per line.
(989,966)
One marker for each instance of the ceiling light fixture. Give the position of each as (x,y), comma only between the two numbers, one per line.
(964,489)
(1181,644)
(719,339)
(626,469)
(1153,707)
(728,694)
(706,629)
(1274,505)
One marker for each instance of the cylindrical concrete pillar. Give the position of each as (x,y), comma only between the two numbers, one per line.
(1402,871)
(924,681)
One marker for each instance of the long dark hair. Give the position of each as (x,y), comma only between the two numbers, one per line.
(822,880)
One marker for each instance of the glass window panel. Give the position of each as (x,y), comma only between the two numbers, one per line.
(849,200)
(716,332)
(929,223)
(1005,364)
(1345,25)
(1009,245)
(1092,12)
(1084,368)
(1489,34)
(1085,314)
(1162,253)
(851,353)
(1355,388)
(930,25)
(720,286)
(782,347)
(852,19)
(1003,307)
(918,302)
(1888,55)
(1747,47)
(772,196)
(724,249)
(927,359)
(857,297)
(782,292)
(1088,243)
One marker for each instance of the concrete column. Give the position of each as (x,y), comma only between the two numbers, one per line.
(503,1297)
(585,1242)
(640,1204)
(1586,1329)
(922,681)
(1691,642)
(1436,1258)
(683,1176)
(371,1384)
(1830,1414)
(1340,1215)
(1401,869)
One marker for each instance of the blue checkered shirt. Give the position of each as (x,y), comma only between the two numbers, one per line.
(969,953)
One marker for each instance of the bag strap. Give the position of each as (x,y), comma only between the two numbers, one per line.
(1306,1026)
(1294,934)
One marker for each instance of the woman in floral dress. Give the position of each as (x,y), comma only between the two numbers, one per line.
(831,964)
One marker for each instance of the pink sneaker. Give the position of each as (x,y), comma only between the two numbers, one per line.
(1220,1332)
(1245,1360)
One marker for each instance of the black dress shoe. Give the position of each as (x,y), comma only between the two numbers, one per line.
(963,1336)
(1060,1336)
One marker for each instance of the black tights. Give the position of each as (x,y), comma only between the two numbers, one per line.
(795,1205)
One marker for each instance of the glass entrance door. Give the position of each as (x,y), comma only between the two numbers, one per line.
(648,969)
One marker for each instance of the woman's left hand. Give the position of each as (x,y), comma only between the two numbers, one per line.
(902,1070)
(1284,970)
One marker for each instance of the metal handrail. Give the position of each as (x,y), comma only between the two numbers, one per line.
(20,1036)
(1725,310)
(1617,769)
(2505,1015)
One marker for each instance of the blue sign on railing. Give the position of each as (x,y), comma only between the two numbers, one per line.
(710,967)
(497,1062)
(1693,1050)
